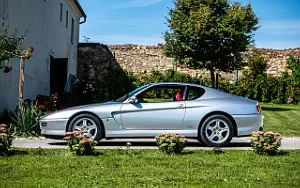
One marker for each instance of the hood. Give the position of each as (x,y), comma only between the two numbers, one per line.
(89,105)
(68,112)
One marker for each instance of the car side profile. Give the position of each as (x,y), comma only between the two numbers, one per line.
(191,110)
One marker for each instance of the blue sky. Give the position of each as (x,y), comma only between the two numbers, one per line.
(143,22)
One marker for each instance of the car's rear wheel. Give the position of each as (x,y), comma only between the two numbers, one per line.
(89,123)
(217,130)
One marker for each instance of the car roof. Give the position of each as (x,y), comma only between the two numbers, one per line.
(179,83)
(209,92)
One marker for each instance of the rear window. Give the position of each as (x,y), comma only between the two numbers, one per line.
(194,92)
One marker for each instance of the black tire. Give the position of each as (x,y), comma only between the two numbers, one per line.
(203,132)
(99,126)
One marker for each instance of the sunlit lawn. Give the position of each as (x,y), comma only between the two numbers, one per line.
(116,168)
(152,168)
(284,119)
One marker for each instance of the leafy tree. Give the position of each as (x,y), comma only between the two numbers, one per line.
(294,79)
(209,34)
(294,65)
(10,46)
(257,64)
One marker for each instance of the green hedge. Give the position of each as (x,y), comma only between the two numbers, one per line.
(279,90)
(260,87)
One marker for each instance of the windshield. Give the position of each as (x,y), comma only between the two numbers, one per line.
(123,98)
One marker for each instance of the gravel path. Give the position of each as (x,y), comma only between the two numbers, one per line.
(287,143)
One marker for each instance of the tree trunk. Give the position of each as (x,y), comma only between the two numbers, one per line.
(212,77)
(21,81)
(217,80)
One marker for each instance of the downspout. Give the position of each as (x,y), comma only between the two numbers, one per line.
(81,10)
(83,20)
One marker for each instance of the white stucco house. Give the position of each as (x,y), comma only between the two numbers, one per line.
(52,28)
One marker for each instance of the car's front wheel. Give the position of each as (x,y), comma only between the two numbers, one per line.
(89,123)
(217,130)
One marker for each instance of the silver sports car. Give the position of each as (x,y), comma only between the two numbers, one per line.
(191,110)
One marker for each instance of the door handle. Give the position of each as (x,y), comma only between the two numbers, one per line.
(180,106)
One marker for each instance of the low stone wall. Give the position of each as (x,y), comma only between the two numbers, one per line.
(95,61)
(277,59)
(143,59)
(139,59)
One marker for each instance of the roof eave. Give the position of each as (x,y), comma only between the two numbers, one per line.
(81,11)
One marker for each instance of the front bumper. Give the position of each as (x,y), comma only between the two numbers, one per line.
(53,128)
(248,123)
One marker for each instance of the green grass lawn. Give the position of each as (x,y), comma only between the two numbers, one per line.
(118,168)
(284,119)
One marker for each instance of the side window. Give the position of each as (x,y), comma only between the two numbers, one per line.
(162,94)
(61,12)
(72,31)
(194,92)
(4,10)
(67,19)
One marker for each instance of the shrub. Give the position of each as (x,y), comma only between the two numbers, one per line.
(265,143)
(171,143)
(25,120)
(79,143)
(5,139)
(10,45)
(55,102)
(293,80)
(261,88)
(85,90)
(254,84)
(257,64)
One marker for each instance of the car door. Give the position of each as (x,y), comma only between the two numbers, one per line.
(195,109)
(156,109)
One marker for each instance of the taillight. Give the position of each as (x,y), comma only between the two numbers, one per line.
(258,108)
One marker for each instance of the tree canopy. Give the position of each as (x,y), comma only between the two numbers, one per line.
(209,34)
(10,45)
(257,64)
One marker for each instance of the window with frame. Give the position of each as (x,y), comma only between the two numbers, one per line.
(162,94)
(61,12)
(67,19)
(4,9)
(194,92)
(72,31)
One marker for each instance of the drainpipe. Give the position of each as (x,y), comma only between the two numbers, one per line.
(81,10)
(84,20)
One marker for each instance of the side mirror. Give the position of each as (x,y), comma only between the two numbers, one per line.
(133,100)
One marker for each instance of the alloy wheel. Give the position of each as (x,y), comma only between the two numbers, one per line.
(86,124)
(217,131)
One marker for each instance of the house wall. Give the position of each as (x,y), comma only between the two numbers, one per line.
(40,21)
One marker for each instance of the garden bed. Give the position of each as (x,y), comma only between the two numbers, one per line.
(128,168)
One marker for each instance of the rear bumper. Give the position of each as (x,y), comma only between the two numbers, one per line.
(248,123)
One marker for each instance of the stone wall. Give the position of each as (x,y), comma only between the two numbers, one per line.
(143,59)
(277,59)
(95,61)
(136,58)
(98,68)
